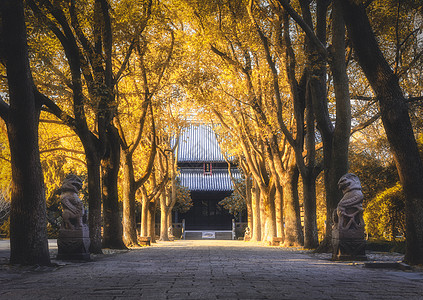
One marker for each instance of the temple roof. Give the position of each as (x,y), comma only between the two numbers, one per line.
(198,143)
(218,181)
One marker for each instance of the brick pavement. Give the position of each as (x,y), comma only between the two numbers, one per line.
(209,270)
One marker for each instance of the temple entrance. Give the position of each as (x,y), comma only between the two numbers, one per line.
(207,214)
(202,169)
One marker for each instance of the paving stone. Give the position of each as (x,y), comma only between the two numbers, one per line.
(210,270)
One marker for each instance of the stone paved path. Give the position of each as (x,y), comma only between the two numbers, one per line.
(209,270)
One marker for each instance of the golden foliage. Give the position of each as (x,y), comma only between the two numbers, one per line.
(384,215)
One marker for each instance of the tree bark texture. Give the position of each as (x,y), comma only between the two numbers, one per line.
(293,230)
(112,225)
(311,238)
(248,189)
(151,222)
(271,212)
(94,204)
(28,231)
(309,172)
(256,230)
(144,217)
(164,225)
(279,211)
(128,203)
(396,121)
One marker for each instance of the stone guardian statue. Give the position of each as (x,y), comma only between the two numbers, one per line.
(74,239)
(348,237)
(72,207)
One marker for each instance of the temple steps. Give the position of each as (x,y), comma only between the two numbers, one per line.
(208,235)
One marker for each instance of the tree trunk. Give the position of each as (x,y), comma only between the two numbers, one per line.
(275,194)
(151,222)
(256,230)
(164,225)
(94,204)
(144,217)
(248,196)
(28,231)
(311,238)
(396,121)
(309,174)
(264,222)
(271,214)
(279,211)
(128,217)
(291,209)
(112,225)
(337,155)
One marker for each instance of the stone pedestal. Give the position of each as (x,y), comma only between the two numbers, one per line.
(276,241)
(348,245)
(144,241)
(74,244)
(348,237)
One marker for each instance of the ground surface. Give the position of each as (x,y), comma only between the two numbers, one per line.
(207,270)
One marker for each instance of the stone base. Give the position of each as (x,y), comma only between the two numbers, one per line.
(144,240)
(347,249)
(74,244)
(276,241)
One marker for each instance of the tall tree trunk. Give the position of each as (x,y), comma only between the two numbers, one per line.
(309,174)
(144,217)
(291,209)
(334,164)
(128,217)
(164,225)
(151,222)
(337,140)
(169,217)
(311,238)
(256,230)
(271,213)
(264,221)
(279,211)
(275,195)
(264,215)
(94,204)
(112,225)
(28,231)
(248,192)
(396,121)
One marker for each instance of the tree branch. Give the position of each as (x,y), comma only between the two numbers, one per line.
(365,124)
(56,110)
(308,31)
(143,179)
(62,149)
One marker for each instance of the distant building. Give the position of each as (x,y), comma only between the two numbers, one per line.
(204,171)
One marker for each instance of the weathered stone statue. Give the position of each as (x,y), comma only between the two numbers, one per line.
(72,207)
(247,234)
(74,239)
(348,238)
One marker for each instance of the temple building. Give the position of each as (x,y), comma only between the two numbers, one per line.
(204,171)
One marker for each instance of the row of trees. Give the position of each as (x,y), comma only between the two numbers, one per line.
(281,71)
(89,58)
(288,84)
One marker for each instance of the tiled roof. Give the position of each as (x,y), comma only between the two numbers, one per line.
(198,143)
(219,180)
